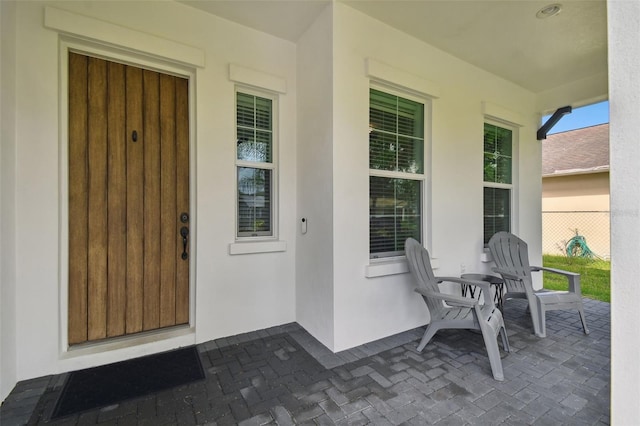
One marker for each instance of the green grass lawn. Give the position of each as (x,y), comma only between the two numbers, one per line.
(595,275)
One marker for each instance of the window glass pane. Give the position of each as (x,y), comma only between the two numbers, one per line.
(245,110)
(490,138)
(490,168)
(254,146)
(394,215)
(246,145)
(497,211)
(263,113)
(503,170)
(382,151)
(382,112)
(503,141)
(263,147)
(410,118)
(410,155)
(254,201)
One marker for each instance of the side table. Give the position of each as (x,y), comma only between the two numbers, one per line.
(495,281)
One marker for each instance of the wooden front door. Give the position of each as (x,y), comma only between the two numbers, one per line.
(128,199)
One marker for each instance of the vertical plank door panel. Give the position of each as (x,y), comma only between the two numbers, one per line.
(117,201)
(151,200)
(169,231)
(182,195)
(135,200)
(78,177)
(97,251)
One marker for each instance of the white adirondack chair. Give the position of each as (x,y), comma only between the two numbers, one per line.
(458,312)
(511,256)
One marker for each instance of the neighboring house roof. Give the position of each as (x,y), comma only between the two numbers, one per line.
(576,151)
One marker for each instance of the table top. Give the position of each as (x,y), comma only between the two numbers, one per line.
(492,279)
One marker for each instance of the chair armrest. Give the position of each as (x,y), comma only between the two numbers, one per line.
(449,298)
(554,271)
(505,274)
(572,277)
(485,286)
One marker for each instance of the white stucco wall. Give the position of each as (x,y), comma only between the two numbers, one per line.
(232,294)
(624,89)
(7,199)
(314,256)
(371,308)
(347,308)
(335,301)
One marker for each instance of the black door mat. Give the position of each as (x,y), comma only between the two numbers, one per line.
(110,384)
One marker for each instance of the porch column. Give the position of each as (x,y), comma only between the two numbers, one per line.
(624,92)
(8,359)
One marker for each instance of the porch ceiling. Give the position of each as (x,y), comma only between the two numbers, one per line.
(502,37)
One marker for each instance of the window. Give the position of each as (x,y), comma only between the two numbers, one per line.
(255,165)
(498,182)
(396,172)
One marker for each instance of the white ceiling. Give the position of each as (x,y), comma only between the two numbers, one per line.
(502,37)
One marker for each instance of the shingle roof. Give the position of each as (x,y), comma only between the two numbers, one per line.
(576,151)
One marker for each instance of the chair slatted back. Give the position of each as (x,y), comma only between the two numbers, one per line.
(511,254)
(420,266)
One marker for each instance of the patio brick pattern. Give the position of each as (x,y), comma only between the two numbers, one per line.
(283,376)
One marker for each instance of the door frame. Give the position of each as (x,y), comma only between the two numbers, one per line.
(124,56)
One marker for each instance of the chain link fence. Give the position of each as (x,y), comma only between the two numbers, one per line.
(561,232)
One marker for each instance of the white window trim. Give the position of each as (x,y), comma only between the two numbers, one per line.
(273,166)
(133,41)
(407,82)
(74,30)
(265,85)
(259,79)
(513,186)
(393,265)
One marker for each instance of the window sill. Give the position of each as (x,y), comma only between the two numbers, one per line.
(391,267)
(257,247)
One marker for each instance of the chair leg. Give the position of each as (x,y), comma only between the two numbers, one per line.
(505,340)
(582,318)
(493,352)
(428,334)
(542,312)
(537,316)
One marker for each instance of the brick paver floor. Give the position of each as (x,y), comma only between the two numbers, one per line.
(283,376)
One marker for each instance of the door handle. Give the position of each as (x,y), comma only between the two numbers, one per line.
(184,232)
